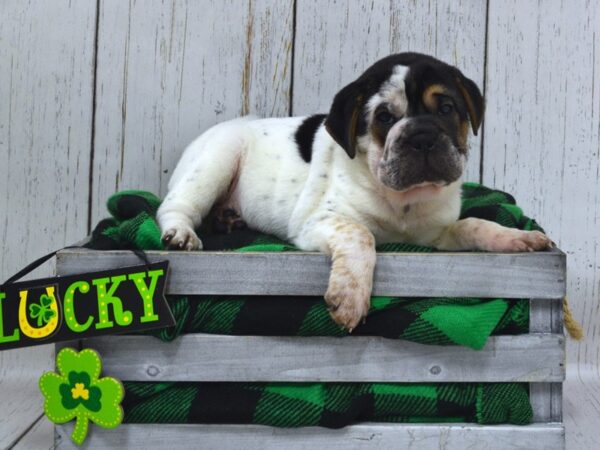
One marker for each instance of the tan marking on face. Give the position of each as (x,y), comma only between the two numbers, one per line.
(475,118)
(463,133)
(353,129)
(376,135)
(429,95)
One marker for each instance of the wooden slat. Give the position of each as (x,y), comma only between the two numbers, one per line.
(545,316)
(369,436)
(39,437)
(336,41)
(546,402)
(168,70)
(296,273)
(204,357)
(556,402)
(542,144)
(46,83)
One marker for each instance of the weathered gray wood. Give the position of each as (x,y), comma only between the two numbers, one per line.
(356,437)
(39,437)
(168,70)
(336,41)
(556,390)
(546,398)
(545,316)
(546,401)
(205,357)
(46,79)
(297,273)
(20,396)
(540,396)
(556,402)
(542,144)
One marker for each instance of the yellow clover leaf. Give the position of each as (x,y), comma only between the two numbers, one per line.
(77,392)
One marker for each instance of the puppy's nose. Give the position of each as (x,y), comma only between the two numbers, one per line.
(422,140)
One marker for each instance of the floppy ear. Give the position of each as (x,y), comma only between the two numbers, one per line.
(342,120)
(473,100)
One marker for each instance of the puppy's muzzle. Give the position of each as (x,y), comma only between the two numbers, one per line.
(419,152)
(424,139)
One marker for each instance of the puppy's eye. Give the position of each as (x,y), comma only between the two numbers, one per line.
(385,117)
(445,109)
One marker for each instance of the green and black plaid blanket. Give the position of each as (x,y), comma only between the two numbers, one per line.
(332,405)
(441,321)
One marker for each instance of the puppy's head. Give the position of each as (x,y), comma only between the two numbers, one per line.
(410,114)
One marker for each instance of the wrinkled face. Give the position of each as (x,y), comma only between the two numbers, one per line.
(410,114)
(415,134)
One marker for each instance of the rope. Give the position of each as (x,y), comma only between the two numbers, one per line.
(573,327)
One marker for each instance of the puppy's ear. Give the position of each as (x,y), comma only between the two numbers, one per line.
(342,120)
(473,99)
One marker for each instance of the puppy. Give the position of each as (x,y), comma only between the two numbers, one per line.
(384,165)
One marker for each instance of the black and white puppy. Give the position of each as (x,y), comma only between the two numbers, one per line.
(384,165)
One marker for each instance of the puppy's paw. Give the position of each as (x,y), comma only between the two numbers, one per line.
(511,240)
(348,301)
(181,238)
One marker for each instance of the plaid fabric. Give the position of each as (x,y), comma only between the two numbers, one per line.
(331,405)
(440,321)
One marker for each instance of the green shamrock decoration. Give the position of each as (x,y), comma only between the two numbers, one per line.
(42,311)
(77,392)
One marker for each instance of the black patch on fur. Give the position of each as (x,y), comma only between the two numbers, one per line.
(305,135)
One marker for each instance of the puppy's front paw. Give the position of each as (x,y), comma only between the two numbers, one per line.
(348,301)
(181,238)
(511,240)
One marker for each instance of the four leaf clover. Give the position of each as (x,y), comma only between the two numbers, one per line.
(42,311)
(77,392)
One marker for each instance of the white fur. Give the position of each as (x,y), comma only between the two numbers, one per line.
(333,204)
(392,92)
(276,192)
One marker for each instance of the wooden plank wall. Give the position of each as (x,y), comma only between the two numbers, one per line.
(542,143)
(168,70)
(46,85)
(100,95)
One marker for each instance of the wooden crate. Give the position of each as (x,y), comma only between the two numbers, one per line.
(536,358)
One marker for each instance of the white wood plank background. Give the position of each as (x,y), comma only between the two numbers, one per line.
(46,79)
(168,69)
(542,144)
